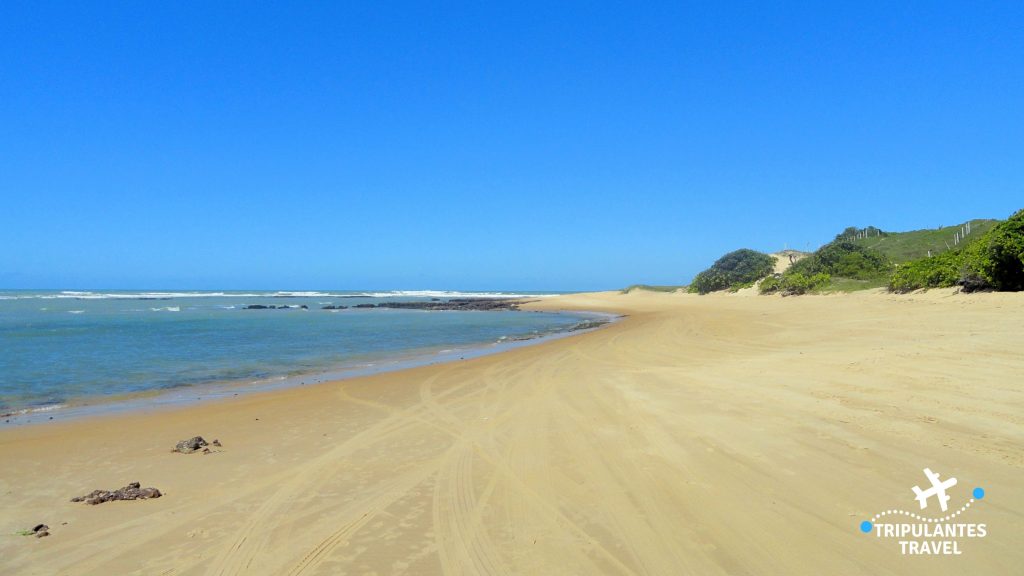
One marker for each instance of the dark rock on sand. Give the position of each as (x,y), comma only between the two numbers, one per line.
(973,284)
(132,491)
(191,445)
(588,324)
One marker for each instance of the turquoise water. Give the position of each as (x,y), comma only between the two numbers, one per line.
(59,348)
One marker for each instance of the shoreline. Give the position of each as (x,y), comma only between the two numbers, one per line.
(180,396)
(704,435)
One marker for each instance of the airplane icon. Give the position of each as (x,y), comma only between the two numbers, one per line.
(938,490)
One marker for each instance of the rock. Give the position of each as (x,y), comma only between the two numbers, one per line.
(146,493)
(333,307)
(304,307)
(456,304)
(191,445)
(973,284)
(40,528)
(258,307)
(133,491)
(215,443)
(587,325)
(42,534)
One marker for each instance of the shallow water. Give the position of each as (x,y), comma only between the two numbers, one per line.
(66,347)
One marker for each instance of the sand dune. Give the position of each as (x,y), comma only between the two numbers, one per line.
(700,435)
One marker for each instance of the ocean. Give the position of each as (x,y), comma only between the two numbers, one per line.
(62,349)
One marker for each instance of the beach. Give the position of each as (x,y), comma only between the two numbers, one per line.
(724,434)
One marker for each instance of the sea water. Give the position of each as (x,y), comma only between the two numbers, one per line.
(60,348)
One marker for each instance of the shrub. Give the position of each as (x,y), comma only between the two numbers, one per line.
(735,268)
(994,261)
(1000,258)
(791,284)
(846,259)
(940,271)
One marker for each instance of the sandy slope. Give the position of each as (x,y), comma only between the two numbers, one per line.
(702,435)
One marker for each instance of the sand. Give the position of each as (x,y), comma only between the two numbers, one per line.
(700,435)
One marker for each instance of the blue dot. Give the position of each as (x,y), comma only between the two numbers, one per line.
(979,493)
(866,526)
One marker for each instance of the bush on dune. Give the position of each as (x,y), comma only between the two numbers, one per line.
(937,272)
(846,259)
(993,262)
(734,269)
(840,258)
(1000,258)
(792,284)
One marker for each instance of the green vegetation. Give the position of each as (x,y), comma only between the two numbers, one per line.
(839,265)
(1000,255)
(935,272)
(992,261)
(990,257)
(852,285)
(844,259)
(741,286)
(793,283)
(651,288)
(734,269)
(902,247)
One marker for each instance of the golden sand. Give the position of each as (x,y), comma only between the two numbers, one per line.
(700,435)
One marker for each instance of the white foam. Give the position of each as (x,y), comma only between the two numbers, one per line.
(80,295)
(451,294)
(46,408)
(89,295)
(76,311)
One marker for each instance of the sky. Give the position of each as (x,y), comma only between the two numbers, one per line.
(488,145)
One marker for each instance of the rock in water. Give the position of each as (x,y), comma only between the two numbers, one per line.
(191,445)
(133,491)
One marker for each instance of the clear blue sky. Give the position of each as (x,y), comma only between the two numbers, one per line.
(474,146)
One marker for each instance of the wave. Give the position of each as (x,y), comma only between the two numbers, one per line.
(89,295)
(450,294)
(167,309)
(33,410)
(76,311)
(82,295)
